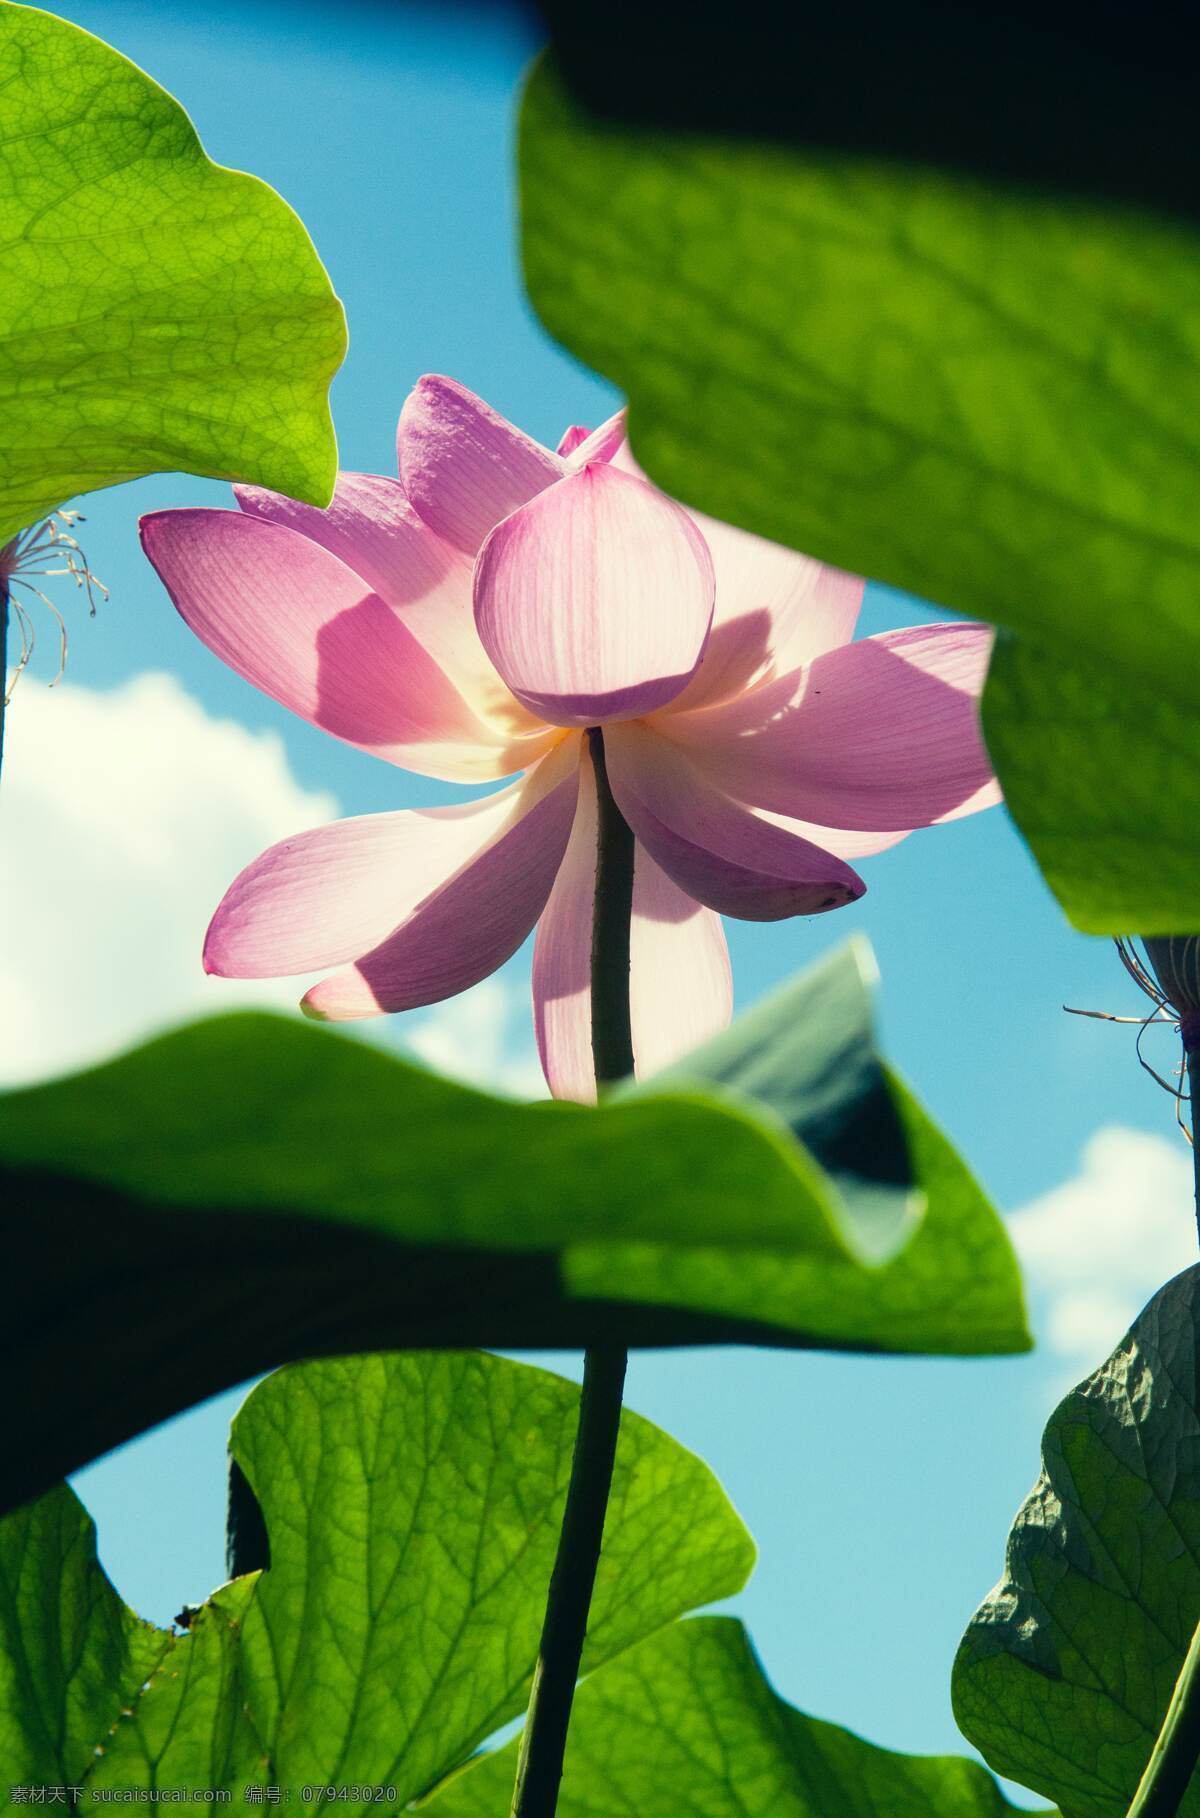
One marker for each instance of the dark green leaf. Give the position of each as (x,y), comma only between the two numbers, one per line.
(686,1722)
(1100,109)
(1066,1670)
(986,397)
(158,311)
(412,1505)
(252,1189)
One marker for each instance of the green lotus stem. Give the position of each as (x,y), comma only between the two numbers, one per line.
(612,1034)
(544,1741)
(1191,1061)
(1177,1748)
(1193,1073)
(1176,1751)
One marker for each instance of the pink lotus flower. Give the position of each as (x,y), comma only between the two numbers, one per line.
(470,621)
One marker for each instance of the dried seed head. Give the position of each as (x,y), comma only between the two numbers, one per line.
(48,549)
(1170,978)
(1175,962)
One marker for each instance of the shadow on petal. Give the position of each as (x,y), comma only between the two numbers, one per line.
(378,687)
(878,736)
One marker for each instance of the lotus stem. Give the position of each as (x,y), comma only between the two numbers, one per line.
(1176,1751)
(544,1741)
(1192,1062)
(612,915)
(1177,1747)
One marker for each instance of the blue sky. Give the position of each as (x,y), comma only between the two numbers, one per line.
(879,1492)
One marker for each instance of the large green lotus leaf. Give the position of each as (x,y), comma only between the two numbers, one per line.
(1064,1675)
(986,397)
(412,1506)
(251,1190)
(157,311)
(686,1722)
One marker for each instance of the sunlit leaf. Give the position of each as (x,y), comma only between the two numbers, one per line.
(686,1722)
(1099,771)
(412,1507)
(157,311)
(71,1653)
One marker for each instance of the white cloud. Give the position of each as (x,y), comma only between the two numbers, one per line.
(1095,1249)
(123,818)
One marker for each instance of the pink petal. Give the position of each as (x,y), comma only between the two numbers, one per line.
(571,439)
(373,529)
(594,600)
(601,444)
(462,465)
(489,894)
(304,628)
(775,608)
(882,735)
(713,847)
(680,988)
